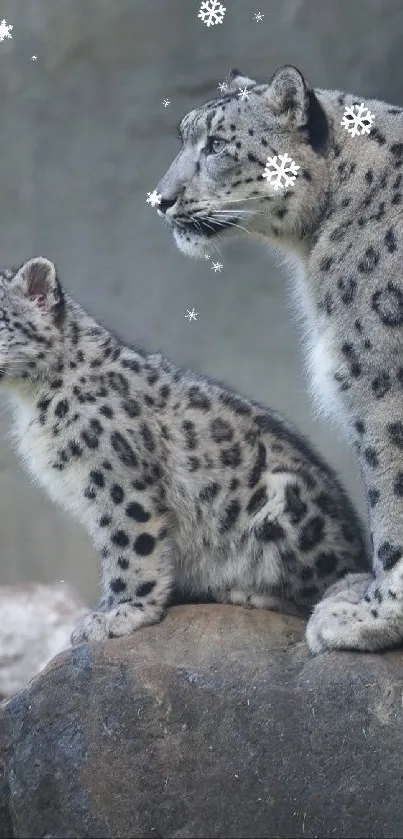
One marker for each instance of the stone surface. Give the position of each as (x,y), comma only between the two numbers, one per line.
(214,723)
(36,623)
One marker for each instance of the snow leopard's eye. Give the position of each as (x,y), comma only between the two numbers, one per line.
(214,145)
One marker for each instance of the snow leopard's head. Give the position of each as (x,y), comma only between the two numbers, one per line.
(32,307)
(216,185)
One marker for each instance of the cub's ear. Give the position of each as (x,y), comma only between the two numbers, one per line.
(289,94)
(236,79)
(37,281)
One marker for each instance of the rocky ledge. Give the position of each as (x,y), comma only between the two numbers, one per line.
(215,723)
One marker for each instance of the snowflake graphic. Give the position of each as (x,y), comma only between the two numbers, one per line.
(243,93)
(207,256)
(217,266)
(223,87)
(5,30)
(211,12)
(258,17)
(154,198)
(166,102)
(359,121)
(191,314)
(34,58)
(281,170)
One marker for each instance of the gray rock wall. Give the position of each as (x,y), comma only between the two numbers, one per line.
(84,136)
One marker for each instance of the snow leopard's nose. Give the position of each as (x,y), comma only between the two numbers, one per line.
(165,204)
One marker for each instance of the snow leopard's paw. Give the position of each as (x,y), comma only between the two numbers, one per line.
(356,617)
(122,620)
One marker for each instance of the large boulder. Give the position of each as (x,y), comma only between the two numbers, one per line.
(214,723)
(36,623)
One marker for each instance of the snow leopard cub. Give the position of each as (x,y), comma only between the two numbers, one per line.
(179,481)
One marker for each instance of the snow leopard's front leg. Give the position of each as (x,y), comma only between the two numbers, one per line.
(365,612)
(136,577)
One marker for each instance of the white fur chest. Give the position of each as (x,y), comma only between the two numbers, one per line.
(36,446)
(322,365)
(320,350)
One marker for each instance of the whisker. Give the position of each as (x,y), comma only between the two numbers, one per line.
(247,213)
(231,223)
(231,201)
(215,246)
(235,210)
(211,241)
(249,198)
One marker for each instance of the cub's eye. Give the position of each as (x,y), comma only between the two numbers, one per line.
(214,145)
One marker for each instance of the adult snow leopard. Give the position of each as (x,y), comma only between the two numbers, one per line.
(342,222)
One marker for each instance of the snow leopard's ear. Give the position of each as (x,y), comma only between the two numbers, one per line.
(236,79)
(288,93)
(37,281)
(293,100)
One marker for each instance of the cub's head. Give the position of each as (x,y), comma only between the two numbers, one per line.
(216,184)
(31,313)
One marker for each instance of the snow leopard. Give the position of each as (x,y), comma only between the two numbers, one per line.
(340,221)
(182,483)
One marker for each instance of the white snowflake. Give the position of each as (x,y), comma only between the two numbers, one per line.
(166,102)
(191,314)
(357,122)
(258,17)
(154,198)
(5,30)
(243,93)
(216,266)
(278,173)
(223,87)
(211,12)
(34,58)
(207,256)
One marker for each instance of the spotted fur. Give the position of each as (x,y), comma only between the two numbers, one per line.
(180,482)
(342,224)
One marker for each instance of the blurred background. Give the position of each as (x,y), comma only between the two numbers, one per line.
(84,136)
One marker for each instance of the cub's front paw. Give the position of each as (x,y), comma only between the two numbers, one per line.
(122,620)
(91,628)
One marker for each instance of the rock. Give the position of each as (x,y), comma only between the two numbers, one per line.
(36,622)
(214,723)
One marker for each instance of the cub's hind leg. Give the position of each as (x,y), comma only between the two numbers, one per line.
(299,540)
